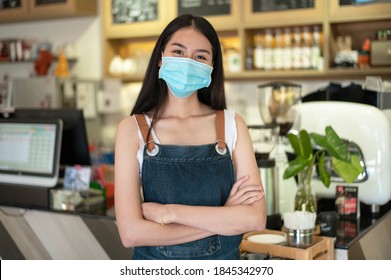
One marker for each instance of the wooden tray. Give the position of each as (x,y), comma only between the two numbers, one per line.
(322,249)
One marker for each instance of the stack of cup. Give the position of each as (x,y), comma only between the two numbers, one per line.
(299,228)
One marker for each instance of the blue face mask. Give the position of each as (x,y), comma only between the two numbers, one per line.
(184,76)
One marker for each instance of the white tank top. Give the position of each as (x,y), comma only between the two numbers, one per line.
(230,135)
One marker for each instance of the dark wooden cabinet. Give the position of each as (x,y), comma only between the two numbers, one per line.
(30,10)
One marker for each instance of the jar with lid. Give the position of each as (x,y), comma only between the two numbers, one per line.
(233,60)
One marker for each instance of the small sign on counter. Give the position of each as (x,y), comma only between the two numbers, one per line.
(77,177)
(347,202)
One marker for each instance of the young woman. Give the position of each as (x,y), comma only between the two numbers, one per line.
(186,181)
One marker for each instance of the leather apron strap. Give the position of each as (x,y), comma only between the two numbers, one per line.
(220,130)
(150,143)
(144,129)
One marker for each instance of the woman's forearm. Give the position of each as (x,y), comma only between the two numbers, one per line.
(224,220)
(147,233)
(243,211)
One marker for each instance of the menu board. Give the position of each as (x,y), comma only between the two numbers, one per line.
(358,2)
(47,2)
(204,7)
(128,11)
(345,2)
(10,4)
(281,5)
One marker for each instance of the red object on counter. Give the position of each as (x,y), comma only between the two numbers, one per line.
(42,64)
(105,175)
(366,46)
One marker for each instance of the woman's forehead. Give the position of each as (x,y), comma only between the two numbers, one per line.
(190,37)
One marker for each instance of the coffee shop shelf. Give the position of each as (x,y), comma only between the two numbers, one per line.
(345,73)
(322,249)
(30,61)
(335,73)
(333,19)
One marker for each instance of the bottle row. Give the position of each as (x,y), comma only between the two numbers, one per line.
(286,49)
(14,50)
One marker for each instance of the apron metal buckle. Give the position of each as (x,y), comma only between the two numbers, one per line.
(221,151)
(154,151)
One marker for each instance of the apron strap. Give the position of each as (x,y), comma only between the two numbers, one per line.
(144,128)
(220,130)
(150,143)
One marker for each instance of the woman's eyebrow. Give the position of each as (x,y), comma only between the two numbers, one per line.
(182,46)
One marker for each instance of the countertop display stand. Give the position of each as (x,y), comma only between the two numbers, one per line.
(322,249)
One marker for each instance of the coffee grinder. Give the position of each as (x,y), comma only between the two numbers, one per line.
(278,107)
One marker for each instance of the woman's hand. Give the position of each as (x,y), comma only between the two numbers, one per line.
(154,212)
(244,194)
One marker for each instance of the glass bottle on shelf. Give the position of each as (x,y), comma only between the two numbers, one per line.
(249,58)
(315,50)
(287,49)
(259,54)
(233,60)
(296,50)
(306,48)
(277,50)
(268,50)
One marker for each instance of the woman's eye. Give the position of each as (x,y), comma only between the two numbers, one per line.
(200,57)
(177,52)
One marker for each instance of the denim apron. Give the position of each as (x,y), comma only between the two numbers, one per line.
(200,175)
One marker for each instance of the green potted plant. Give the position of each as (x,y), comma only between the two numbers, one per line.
(344,163)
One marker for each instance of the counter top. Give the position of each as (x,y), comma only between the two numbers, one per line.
(39,234)
(41,198)
(350,233)
(348,230)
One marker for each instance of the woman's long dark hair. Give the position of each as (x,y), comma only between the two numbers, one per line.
(153,94)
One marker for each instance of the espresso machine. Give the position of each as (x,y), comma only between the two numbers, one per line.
(368,127)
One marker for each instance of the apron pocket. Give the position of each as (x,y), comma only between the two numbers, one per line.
(195,249)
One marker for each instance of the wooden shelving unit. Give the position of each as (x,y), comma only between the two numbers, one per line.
(242,23)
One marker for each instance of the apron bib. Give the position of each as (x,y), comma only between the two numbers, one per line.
(201,175)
